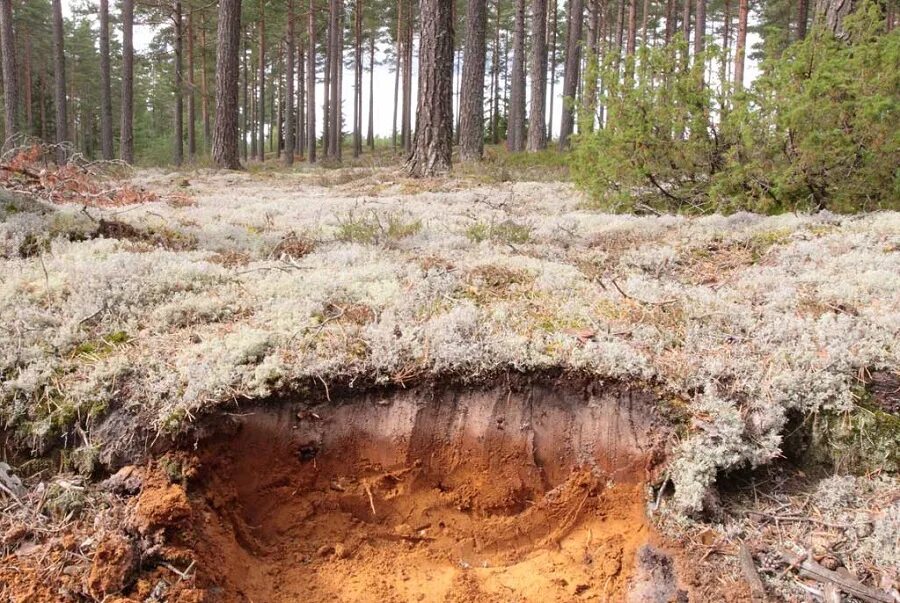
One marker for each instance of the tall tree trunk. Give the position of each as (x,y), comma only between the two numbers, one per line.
(246,130)
(204,90)
(830,14)
(59,65)
(370,136)
(261,82)
(554,30)
(645,14)
(357,83)
(228,42)
(278,87)
(326,92)
(10,87)
(289,86)
(515,134)
(126,143)
(537,136)
(335,113)
(741,44)
(397,69)
(192,105)
(471,95)
(301,99)
(434,115)
(178,147)
(670,21)
(686,21)
(802,18)
(572,69)
(42,88)
(631,40)
(495,81)
(27,84)
(406,124)
(106,128)
(597,7)
(699,27)
(311,83)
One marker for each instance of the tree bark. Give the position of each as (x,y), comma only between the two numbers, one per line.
(301,99)
(699,27)
(357,83)
(106,128)
(289,86)
(406,122)
(434,115)
(495,81)
(670,21)
(537,136)
(27,83)
(802,18)
(471,95)
(336,63)
(246,129)
(192,104)
(59,65)
(311,84)
(397,70)
(261,82)
(10,87)
(572,69)
(126,143)
(228,42)
(554,27)
(686,21)
(740,44)
(370,136)
(515,133)
(830,15)
(178,146)
(204,89)
(631,41)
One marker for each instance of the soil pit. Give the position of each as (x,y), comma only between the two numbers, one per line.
(501,493)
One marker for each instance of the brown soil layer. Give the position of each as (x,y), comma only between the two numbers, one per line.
(492,494)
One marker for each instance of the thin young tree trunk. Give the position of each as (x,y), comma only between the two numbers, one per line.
(126,144)
(204,90)
(228,43)
(572,68)
(591,65)
(434,115)
(645,14)
(740,44)
(670,21)
(289,86)
(370,136)
(245,132)
(27,84)
(278,87)
(554,24)
(261,82)
(397,69)
(471,95)
(311,83)
(406,125)
(301,99)
(631,41)
(495,82)
(326,88)
(357,83)
(106,128)
(192,105)
(515,135)
(10,87)
(537,136)
(336,63)
(252,74)
(59,64)
(178,147)
(42,88)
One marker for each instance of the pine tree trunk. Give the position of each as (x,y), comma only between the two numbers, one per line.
(830,14)
(699,27)
(106,128)
(591,65)
(10,87)
(741,44)
(245,131)
(126,143)
(204,91)
(515,134)
(178,146)
(406,124)
(434,115)
(261,82)
(495,82)
(28,101)
(572,69)
(357,80)
(397,69)
(686,21)
(289,86)
(192,104)
(471,92)
(301,99)
(554,26)
(631,41)
(311,83)
(537,136)
(645,14)
(802,18)
(670,21)
(228,44)
(370,136)
(59,65)
(336,63)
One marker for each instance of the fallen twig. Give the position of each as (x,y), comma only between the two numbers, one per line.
(809,568)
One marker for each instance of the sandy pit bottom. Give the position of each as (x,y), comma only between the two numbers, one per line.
(532,493)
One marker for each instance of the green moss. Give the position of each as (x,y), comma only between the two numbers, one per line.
(373,228)
(103,346)
(865,439)
(508,231)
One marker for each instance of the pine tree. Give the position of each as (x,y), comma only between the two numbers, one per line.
(228,43)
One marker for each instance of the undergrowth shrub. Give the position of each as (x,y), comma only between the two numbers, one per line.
(817,130)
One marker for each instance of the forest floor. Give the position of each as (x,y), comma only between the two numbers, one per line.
(340,384)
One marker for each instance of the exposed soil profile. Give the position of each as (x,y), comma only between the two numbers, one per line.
(528,493)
